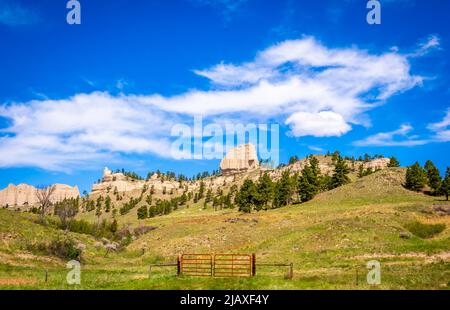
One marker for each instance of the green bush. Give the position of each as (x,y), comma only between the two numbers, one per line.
(64,248)
(104,229)
(424,231)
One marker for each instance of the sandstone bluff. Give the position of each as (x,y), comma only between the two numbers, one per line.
(241,162)
(240,159)
(25,195)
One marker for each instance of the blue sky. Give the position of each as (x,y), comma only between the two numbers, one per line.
(76,98)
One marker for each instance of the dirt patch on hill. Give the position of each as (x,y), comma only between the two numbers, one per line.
(16,281)
(441,209)
(26,259)
(443,256)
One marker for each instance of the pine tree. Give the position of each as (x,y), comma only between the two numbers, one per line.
(245,198)
(415,177)
(149,199)
(114,226)
(433,176)
(196,199)
(183,198)
(227,201)
(293,159)
(307,185)
(314,163)
(98,211)
(264,191)
(283,190)
(393,162)
(361,171)
(308,181)
(336,155)
(107,204)
(142,213)
(201,191)
(216,202)
(341,170)
(445,185)
(209,196)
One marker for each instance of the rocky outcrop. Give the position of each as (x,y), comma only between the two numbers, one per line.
(112,182)
(376,164)
(25,195)
(326,165)
(116,181)
(240,159)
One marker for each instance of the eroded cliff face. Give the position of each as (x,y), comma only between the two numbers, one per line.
(25,195)
(119,183)
(239,164)
(240,159)
(326,165)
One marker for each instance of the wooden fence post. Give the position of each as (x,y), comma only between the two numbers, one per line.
(253,264)
(179,265)
(46,275)
(291,270)
(149,271)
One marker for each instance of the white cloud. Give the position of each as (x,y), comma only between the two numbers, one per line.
(441,133)
(61,134)
(441,129)
(322,124)
(432,42)
(389,138)
(316,90)
(316,148)
(302,75)
(442,124)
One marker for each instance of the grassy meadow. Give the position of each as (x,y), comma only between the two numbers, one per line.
(329,240)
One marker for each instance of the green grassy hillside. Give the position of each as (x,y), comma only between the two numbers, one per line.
(329,239)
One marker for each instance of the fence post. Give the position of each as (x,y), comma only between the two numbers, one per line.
(179,265)
(291,270)
(149,271)
(253,264)
(46,275)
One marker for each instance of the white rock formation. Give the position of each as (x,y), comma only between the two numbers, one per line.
(378,163)
(119,181)
(240,159)
(24,194)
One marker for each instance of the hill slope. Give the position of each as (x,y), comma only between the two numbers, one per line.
(329,239)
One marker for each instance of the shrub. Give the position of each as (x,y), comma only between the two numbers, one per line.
(64,248)
(129,205)
(142,213)
(104,229)
(424,231)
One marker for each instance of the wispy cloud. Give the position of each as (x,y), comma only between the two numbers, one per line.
(402,137)
(316,90)
(62,134)
(425,46)
(13,14)
(442,128)
(315,148)
(391,138)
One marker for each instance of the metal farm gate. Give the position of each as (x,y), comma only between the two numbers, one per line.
(200,265)
(233,265)
(217,265)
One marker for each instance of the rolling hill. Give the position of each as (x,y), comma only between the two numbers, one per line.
(329,240)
